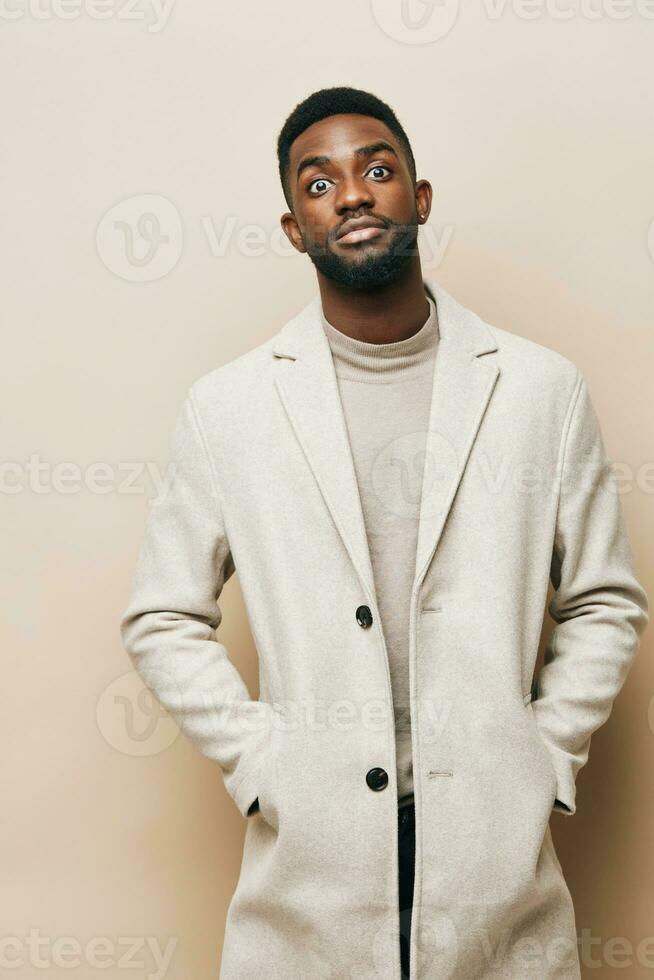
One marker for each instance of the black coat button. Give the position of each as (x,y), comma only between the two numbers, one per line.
(364,617)
(377,778)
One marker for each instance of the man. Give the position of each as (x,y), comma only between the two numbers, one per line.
(395,481)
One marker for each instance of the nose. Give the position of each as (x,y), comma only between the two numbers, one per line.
(353,193)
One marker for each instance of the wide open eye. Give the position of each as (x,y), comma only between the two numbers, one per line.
(379,166)
(318,181)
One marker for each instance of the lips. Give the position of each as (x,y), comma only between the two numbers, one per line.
(359,230)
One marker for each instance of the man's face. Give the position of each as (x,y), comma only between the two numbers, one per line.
(350,167)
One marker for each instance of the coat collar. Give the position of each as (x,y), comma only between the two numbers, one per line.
(463,383)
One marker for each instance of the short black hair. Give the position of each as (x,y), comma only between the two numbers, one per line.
(330,102)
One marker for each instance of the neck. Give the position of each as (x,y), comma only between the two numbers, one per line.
(379,316)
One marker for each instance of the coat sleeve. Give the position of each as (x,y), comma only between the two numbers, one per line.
(598,606)
(169,626)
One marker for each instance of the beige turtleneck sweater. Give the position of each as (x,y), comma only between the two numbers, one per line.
(385,392)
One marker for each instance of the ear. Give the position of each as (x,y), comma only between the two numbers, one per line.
(292,231)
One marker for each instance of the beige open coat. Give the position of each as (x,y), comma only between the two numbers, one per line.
(517,489)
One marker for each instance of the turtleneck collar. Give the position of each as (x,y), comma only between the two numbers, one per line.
(361,360)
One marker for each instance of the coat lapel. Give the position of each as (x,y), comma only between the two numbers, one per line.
(462,387)
(308,387)
(463,382)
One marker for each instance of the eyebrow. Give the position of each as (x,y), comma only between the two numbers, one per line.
(362,151)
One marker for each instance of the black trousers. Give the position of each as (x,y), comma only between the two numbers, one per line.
(406,839)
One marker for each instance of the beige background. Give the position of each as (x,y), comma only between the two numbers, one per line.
(536,133)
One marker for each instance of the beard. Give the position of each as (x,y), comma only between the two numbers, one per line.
(369,267)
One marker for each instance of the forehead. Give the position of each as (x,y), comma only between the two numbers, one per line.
(338,137)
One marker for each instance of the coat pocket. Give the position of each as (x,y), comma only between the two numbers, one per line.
(528,701)
(265,805)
